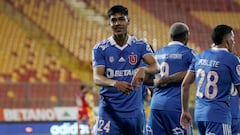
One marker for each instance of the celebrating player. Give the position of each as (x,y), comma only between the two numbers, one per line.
(117,69)
(174,60)
(214,70)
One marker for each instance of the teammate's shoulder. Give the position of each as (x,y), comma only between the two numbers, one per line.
(234,56)
(102,44)
(191,50)
(187,47)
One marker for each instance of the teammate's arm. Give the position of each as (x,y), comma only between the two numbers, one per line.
(151,69)
(174,78)
(186,118)
(101,80)
(152,65)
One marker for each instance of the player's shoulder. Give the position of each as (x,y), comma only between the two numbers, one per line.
(177,47)
(233,56)
(188,50)
(138,41)
(102,44)
(204,52)
(185,47)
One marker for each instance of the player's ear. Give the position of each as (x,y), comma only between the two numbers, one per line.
(228,45)
(128,20)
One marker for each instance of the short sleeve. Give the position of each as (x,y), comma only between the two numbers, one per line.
(97,57)
(236,71)
(192,65)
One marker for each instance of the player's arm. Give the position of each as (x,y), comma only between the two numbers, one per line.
(186,118)
(152,65)
(101,80)
(151,69)
(174,78)
(148,79)
(185,88)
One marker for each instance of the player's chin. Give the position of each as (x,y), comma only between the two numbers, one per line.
(118,33)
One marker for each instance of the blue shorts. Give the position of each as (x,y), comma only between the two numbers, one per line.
(236,126)
(213,128)
(109,125)
(163,122)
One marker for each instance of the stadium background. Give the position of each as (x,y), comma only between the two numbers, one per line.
(45,50)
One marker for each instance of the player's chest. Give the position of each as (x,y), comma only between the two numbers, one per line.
(126,56)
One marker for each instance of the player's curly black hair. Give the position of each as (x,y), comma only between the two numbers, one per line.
(117,9)
(219,32)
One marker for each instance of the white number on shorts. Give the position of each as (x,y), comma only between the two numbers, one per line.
(104,126)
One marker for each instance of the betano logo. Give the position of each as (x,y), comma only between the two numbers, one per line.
(38,114)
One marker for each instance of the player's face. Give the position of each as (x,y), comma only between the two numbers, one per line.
(119,23)
(230,41)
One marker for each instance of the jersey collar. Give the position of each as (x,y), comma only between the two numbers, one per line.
(113,42)
(223,49)
(175,42)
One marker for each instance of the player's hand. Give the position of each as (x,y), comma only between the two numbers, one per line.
(138,78)
(186,120)
(123,86)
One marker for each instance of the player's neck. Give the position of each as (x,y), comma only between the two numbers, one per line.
(220,46)
(121,40)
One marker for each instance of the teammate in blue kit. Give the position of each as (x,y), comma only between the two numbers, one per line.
(215,70)
(235,111)
(117,69)
(174,60)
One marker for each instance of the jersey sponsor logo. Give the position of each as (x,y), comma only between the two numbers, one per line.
(119,73)
(132,59)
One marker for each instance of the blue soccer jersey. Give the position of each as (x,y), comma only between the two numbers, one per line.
(120,64)
(216,69)
(235,111)
(235,103)
(173,58)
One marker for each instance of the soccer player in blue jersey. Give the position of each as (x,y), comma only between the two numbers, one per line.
(235,111)
(214,70)
(118,70)
(174,60)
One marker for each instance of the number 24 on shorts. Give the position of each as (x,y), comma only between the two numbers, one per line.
(104,126)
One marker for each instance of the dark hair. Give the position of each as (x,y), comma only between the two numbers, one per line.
(219,32)
(117,9)
(180,36)
(178,31)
